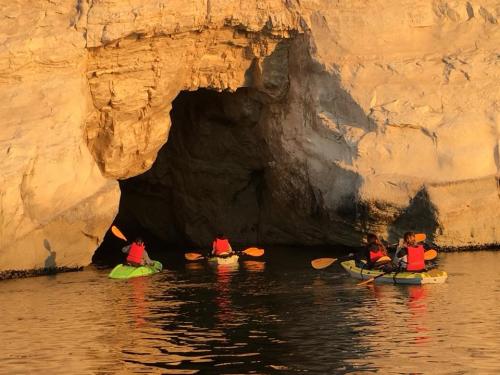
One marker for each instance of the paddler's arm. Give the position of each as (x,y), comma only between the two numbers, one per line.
(126,249)
(146,258)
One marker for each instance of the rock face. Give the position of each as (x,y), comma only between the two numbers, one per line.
(314,122)
(55,205)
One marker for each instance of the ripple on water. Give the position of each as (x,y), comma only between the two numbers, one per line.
(263,319)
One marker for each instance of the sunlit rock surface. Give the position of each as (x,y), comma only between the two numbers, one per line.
(55,205)
(342,118)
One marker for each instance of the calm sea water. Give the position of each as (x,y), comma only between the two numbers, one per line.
(274,317)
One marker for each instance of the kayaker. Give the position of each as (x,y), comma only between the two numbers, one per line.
(137,254)
(221,246)
(373,251)
(409,254)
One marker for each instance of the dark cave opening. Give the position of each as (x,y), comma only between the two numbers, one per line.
(209,177)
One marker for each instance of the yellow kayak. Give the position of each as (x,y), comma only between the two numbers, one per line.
(429,277)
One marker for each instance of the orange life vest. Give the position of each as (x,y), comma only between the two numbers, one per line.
(135,253)
(221,246)
(415,260)
(375,254)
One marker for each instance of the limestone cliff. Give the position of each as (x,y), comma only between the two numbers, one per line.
(55,204)
(336,118)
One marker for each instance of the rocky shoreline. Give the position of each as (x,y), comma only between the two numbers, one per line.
(20,274)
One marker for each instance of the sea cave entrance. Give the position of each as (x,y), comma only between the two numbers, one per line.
(209,177)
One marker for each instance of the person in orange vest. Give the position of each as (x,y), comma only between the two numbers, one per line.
(410,255)
(221,246)
(373,251)
(136,254)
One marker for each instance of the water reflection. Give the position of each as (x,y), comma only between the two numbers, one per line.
(265,318)
(417,306)
(139,307)
(195,266)
(254,265)
(224,312)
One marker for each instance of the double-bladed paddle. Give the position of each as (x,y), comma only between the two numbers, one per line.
(251,251)
(321,263)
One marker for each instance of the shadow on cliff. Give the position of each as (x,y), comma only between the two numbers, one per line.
(306,212)
(420,216)
(50,262)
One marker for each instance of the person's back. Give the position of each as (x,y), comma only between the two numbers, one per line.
(373,251)
(221,246)
(410,255)
(137,254)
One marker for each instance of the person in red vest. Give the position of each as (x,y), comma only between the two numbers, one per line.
(373,251)
(221,246)
(136,254)
(410,255)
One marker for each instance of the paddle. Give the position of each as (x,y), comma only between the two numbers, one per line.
(373,278)
(382,260)
(428,255)
(193,256)
(118,233)
(420,237)
(322,263)
(251,251)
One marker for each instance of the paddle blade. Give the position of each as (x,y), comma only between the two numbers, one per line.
(254,252)
(420,237)
(321,263)
(430,254)
(193,256)
(382,260)
(118,233)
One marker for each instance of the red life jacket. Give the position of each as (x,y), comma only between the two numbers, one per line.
(375,254)
(415,259)
(221,246)
(135,253)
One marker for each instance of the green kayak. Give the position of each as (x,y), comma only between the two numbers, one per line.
(123,271)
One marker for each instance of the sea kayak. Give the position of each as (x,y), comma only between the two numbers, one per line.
(123,271)
(233,259)
(429,277)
